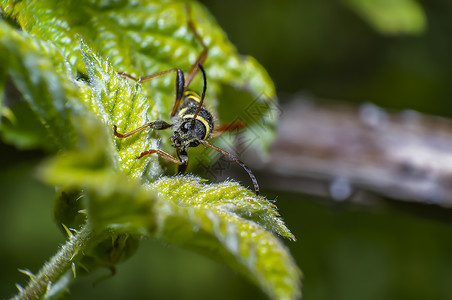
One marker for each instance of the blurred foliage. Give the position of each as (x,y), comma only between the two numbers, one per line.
(391,16)
(323,48)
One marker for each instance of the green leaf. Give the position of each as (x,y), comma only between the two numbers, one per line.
(145,37)
(22,128)
(228,197)
(223,221)
(391,16)
(229,223)
(38,71)
(121,102)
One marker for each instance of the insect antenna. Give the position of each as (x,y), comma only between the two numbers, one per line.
(242,164)
(203,95)
(202,57)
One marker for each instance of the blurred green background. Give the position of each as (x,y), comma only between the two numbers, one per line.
(328,49)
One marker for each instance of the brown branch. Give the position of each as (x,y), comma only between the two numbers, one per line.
(338,150)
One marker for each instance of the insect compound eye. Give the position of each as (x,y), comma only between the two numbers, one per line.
(186,126)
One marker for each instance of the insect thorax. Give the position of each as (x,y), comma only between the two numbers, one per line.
(184,135)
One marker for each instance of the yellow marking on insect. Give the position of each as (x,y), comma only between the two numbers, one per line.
(192,95)
(204,122)
(182,111)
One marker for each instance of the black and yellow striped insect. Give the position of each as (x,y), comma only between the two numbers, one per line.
(191,122)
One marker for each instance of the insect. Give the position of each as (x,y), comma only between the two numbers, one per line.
(191,122)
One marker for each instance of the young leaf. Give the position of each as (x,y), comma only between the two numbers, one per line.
(145,37)
(228,197)
(118,101)
(209,219)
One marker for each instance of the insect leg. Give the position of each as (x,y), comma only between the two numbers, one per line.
(158,125)
(227,127)
(242,164)
(164,155)
(230,126)
(180,83)
(203,55)
(183,156)
(195,67)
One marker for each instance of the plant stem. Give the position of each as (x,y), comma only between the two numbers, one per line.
(57,265)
